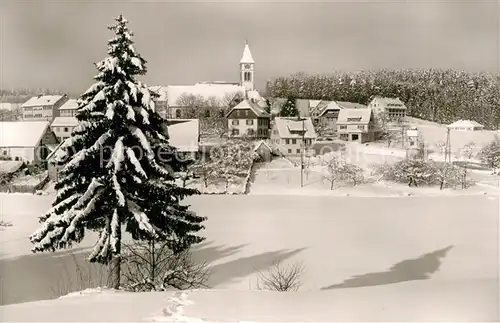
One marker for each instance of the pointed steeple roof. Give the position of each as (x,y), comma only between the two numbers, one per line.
(247,55)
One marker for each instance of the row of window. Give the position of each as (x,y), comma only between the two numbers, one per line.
(30,116)
(250,132)
(45,107)
(292,141)
(249,122)
(344,127)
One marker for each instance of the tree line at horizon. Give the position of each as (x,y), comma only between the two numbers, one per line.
(439,95)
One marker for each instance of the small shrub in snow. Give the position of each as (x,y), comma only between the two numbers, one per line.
(280,277)
(152,266)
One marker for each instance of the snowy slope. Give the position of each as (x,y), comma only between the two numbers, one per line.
(414,301)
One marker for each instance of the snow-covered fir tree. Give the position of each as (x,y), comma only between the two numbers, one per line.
(118,168)
(289,109)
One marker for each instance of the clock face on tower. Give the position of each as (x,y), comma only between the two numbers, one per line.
(247,65)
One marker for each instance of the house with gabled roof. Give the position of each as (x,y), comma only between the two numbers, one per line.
(29,141)
(465,125)
(292,136)
(249,120)
(43,107)
(394,108)
(356,125)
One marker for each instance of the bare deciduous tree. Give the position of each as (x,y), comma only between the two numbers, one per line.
(332,166)
(191,105)
(280,277)
(468,153)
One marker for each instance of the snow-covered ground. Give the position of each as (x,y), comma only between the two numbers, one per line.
(409,259)
(411,301)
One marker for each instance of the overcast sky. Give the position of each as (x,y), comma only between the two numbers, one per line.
(52,44)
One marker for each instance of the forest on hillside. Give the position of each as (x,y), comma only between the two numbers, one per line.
(442,96)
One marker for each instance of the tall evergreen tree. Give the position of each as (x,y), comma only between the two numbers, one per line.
(289,109)
(118,168)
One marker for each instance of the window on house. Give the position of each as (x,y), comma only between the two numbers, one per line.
(287,141)
(249,122)
(247,77)
(294,141)
(4,152)
(235,122)
(246,113)
(178,113)
(66,129)
(250,132)
(353,119)
(355,137)
(298,151)
(343,127)
(235,132)
(289,151)
(361,127)
(275,132)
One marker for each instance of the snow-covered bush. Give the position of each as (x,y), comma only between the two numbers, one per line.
(150,265)
(413,171)
(490,154)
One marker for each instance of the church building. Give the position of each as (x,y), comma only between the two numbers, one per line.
(180,101)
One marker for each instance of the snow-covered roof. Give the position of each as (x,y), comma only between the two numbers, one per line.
(319,108)
(42,100)
(247,104)
(255,95)
(64,122)
(185,135)
(394,102)
(219,91)
(22,133)
(465,124)
(10,166)
(71,104)
(286,126)
(351,105)
(313,103)
(345,114)
(9,106)
(247,55)
(260,143)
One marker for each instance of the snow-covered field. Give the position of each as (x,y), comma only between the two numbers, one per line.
(417,258)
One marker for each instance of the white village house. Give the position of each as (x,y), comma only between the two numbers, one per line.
(465,125)
(174,100)
(355,125)
(291,136)
(29,141)
(393,107)
(248,120)
(63,125)
(43,107)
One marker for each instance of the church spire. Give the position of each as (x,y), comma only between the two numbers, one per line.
(247,55)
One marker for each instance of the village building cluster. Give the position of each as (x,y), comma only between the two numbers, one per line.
(48,120)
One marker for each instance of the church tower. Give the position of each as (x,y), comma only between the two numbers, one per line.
(247,69)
